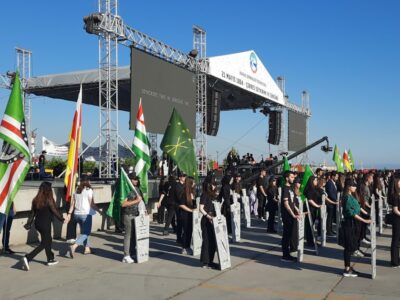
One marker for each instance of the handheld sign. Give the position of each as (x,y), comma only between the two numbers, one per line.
(338,217)
(197,238)
(280,225)
(246,208)
(142,235)
(373,239)
(323,221)
(380,213)
(312,226)
(221,235)
(235,218)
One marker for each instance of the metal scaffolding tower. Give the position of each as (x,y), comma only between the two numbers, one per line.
(200,45)
(24,66)
(305,105)
(283,146)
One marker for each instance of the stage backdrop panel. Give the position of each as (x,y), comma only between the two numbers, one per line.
(297,129)
(161,86)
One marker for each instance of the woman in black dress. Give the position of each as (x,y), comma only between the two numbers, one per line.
(43,210)
(225,195)
(209,245)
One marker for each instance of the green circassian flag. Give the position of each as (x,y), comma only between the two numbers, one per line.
(123,188)
(338,160)
(286,167)
(307,174)
(178,144)
(353,166)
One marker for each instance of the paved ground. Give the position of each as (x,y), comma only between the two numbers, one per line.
(256,273)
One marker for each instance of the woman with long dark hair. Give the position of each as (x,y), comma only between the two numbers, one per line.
(312,196)
(225,196)
(394,248)
(43,209)
(186,205)
(209,245)
(83,206)
(352,225)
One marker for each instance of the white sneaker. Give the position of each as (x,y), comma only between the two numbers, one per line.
(365,241)
(25,263)
(52,262)
(71,241)
(128,260)
(358,253)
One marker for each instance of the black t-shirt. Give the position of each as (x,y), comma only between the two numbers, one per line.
(287,193)
(312,194)
(207,202)
(261,182)
(396,201)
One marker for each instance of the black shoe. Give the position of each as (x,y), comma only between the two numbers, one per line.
(349,273)
(165,232)
(52,262)
(214,266)
(288,258)
(272,231)
(8,251)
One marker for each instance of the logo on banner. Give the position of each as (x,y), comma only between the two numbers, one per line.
(253,62)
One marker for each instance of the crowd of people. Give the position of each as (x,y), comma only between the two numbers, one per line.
(355,192)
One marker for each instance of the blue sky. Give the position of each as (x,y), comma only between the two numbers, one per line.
(345,53)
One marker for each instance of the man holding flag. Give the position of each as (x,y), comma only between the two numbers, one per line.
(15,156)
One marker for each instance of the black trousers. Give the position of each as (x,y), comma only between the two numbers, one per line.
(394,248)
(187,224)
(45,243)
(171,212)
(287,236)
(261,206)
(161,214)
(330,216)
(209,245)
(272,209)
(226,212)
(6,231)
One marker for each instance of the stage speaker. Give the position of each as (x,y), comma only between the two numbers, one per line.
(213,111)
(275,121)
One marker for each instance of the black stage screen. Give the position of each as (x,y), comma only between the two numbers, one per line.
(161,86)
(297,131)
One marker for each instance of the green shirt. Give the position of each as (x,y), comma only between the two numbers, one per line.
(351,207)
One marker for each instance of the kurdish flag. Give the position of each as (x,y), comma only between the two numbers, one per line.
(338,160)
(351,160)
(141,149)
(123,188)
(15,156)
(178,144)
(73,152)
(307,174)
(346,161)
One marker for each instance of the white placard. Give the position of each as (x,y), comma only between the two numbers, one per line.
(221,235)
(246,208)
(280,225)
(197,238)
(235,221)
(323,221)
(301,221)
(312,226)
(372,229)
(338,216)
(380,214)
(142,235)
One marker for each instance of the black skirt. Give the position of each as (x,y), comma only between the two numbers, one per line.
(352,230)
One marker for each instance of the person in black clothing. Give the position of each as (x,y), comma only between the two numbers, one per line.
(179,195)
(312,196)
(209,244)
(43,211)
(169,203)
(262,194)
(160,204)
(289,215)
(186,206)
(332,193)
(7,230)
(272,204)
(42,161)
(225,195)
(394,248)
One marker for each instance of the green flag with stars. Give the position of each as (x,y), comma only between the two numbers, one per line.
(178,144)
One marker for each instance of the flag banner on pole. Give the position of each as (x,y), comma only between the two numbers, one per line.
(178,144)
(141,148)
(123,188)
(286,167)
(73,152)
(351,160)
(15,156)
(307,174)
(338,160)
(346,161)
(52,149)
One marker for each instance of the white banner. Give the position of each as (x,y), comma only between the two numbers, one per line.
(197,238)
(235,219)
(142,230)
(52,149)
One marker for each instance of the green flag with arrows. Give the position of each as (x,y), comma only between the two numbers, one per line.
(178,144)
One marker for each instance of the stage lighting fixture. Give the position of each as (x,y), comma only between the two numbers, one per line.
(193,53)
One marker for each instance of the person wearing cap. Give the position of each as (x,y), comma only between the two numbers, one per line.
(352,225)
(272,204)
(290,214)
(130,207)
(262,193)
(209,243)
(41,163)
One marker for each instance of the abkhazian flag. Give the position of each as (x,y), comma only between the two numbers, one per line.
(178,144)
(73,152)
(307,174)
(338,160)
(346,161)
(15,157)
(351,160)
(123,187)
(141,148)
